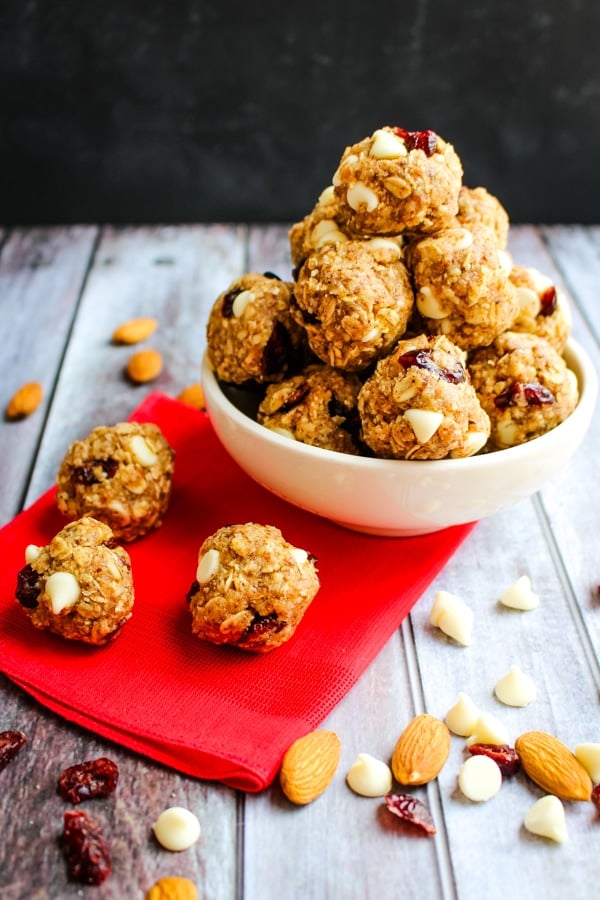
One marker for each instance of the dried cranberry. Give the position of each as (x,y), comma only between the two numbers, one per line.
(277,350)
(88,780)
(596,796)
(227,304)
(548,301)
(423,360)
(296,397)
(419,140)
(410,809)
(28,587)
(531,394)
(271,275)
(263,626)
(505,757)
(87,474)
(86,852)
(10,744)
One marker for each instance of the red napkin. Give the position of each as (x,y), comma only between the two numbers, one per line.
(215,712)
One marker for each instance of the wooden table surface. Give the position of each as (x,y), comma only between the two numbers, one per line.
(62,292)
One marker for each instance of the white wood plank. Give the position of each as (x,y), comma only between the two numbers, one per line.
(41,276)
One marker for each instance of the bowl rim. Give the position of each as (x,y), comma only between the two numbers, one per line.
(577,359)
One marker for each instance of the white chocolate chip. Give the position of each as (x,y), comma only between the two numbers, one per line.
(369,777)
(32,551)
(382,243)
(398,187)
(479,778)
(326,232)
(63,591)
(176,828)
(529,301)
(452,616)
(488,730)
(207,566)
(462,718)
(515,688)
(424,422)
(299,556)
(142,451)
(507,432)
(547,819)
(386,145)
(428,305)
(520,595)
(462,238)
(588,755)
(541,281)
(327,195)
(472,443)
(359,195)
(505,261)
(240,303)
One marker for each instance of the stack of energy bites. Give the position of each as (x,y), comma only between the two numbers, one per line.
(407,332)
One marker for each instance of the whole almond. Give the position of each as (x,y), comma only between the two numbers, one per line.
(421,750)
(172,887)
(309,765)
(193,395)
(145,365)
(552,766)
(25,400)
(134,331)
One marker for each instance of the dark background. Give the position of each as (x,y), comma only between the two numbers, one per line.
(216,110)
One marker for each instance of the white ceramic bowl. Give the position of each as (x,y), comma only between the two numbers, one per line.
(398,497)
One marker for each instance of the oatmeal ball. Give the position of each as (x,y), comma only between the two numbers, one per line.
(120,474)
(80,585)
(476,206)
(462,289)
(398,181)
(316,407)
(354,301)
(252,587)
(524,385)
(543,309)
(321,226)
(420,404)
(250,333)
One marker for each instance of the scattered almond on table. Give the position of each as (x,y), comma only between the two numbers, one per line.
(144,366)
(421,750)
(309,766)
(173,888)
(193,395)
(134,331)
(24,401)
(553,767)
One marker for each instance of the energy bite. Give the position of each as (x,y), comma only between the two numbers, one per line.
(524,385)
(543,310)
(250,333)
(462,289)
(119,474)
(80,585)
(321,226)
(316,407)
(354,301)
(398,181)
(252,587)
(420,404)
(476,206)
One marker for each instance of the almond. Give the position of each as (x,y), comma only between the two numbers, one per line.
(145,365)
(193,395)
(309,765)
(552,766)
(173,888)
(24,401)
(421,750)
(134,331)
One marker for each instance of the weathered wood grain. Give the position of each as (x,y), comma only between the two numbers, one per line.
(258,847)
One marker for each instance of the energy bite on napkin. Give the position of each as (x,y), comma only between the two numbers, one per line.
(119,474)
(252,587)
(80,585)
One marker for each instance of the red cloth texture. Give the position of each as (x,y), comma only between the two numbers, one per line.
(215,712)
